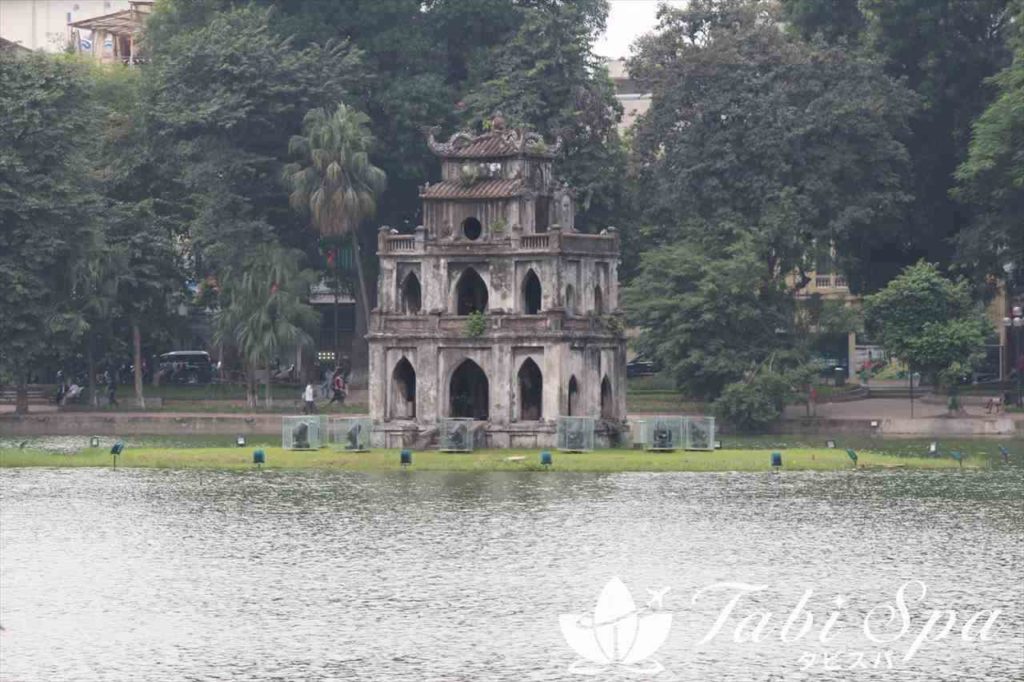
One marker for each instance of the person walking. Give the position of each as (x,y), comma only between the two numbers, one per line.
(112,389)
(338,387)
(59,398)
(308,398)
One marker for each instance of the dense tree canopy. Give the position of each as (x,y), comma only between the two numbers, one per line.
(224,99)
(48,206)
(945,49)
(928,322)
(451,63)
(784,136)
(710,320)
(832,20)
(992,179)
(753,132)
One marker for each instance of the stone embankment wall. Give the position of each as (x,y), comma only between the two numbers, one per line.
(127,424)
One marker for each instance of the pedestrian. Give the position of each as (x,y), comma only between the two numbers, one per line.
(338,387)
(308,398)
(111,378)
(59,399)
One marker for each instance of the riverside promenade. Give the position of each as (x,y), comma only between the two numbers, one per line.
(929,416)
(882,416)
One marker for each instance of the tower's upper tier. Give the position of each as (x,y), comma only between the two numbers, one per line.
(497,143)
(493,183)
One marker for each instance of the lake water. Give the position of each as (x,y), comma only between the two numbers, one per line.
(189,575)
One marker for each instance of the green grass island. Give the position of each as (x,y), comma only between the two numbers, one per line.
(379,460)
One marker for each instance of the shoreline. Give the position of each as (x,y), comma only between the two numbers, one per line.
(600,461)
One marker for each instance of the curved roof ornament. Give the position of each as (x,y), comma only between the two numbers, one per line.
(498,142)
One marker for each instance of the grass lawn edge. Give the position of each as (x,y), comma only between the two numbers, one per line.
(609,461)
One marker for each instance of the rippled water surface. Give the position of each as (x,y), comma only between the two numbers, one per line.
(189,575)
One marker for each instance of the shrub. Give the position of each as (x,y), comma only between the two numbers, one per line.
(752,406)
(476,324)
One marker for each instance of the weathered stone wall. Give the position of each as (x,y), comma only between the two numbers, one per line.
(575,335)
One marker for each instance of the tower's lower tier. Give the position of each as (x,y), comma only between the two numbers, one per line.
(517,385)
(485,435)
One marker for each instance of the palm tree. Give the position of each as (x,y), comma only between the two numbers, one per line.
(333,183)
(264,312)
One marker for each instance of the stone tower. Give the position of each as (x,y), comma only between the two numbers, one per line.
(496,309)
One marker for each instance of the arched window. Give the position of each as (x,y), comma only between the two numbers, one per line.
(531,391)
(570,300)
(470,293)
(574,397)
(531,293)
(411,295)
(607,404)
(471,228)
(403,391)
(468,394)
(598,300)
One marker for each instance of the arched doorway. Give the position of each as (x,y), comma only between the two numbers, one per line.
(531,391)
(468,392)
(574,397)
(470,293)
(598,300)
(411,295)
(607,404)
(570,300)
(531,293)
(403,391)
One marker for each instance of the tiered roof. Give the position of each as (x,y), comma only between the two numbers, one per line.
(481,189)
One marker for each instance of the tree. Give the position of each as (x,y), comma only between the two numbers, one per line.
(547,77)
(224,96)
(335,185)
(423,63)
(752,406)
(945,50)
(753,132)
(139,264)
(832,20)
(47,208)
(991,180)
(928,322)
(263,311)
(711,321)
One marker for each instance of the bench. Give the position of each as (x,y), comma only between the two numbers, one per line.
(37,394)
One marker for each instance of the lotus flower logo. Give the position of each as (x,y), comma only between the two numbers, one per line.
(619,635)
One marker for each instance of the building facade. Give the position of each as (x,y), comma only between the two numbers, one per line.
(43,24)
(634,100)
(112,38)
(495,309)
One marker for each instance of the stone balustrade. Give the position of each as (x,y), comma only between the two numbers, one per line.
(552,242)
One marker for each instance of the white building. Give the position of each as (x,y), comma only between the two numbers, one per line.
(634,102)
(43,24)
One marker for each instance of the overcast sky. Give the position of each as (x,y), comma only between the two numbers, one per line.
(628,20)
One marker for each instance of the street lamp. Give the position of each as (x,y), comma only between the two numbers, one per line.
(1016,323)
